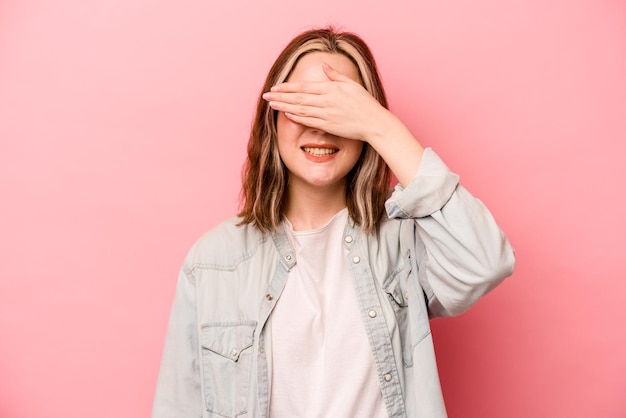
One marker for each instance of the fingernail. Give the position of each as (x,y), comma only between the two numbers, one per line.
(274,88)
(266,96)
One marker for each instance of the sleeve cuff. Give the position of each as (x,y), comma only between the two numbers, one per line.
(427,193)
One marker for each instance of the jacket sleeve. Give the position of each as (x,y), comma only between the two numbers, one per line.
(461,253)
(178,392)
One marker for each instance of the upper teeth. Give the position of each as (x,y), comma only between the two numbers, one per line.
(318,152)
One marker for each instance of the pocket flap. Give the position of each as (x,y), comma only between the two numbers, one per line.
(393,286)
(228,339)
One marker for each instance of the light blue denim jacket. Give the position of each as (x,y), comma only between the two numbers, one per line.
(436,255)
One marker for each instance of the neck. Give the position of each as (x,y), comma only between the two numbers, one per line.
(312,207)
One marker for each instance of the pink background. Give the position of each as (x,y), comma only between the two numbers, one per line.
(123,126)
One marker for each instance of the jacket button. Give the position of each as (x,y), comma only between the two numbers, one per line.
(234,352)
(372,314)
(356,259)
(269,297)
(387,377)
(348,239)
(288,257)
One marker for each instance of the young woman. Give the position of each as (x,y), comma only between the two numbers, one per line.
(315,301)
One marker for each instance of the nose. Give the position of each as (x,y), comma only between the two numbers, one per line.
(316,131)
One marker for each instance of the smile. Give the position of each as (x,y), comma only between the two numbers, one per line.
(319,152)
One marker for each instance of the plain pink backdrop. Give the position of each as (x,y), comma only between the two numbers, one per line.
(123,127)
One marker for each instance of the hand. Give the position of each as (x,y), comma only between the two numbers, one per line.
(340,106)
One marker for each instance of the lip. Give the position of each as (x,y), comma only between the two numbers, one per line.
(322,158)
(314,145)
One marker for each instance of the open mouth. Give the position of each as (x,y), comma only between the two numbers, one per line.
(319,152)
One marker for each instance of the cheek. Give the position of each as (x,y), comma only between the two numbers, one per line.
(286,129)
(355,154)
(357,149)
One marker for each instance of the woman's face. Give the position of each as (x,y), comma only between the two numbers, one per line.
(314,157)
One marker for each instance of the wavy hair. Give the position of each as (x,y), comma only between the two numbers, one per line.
(264,176)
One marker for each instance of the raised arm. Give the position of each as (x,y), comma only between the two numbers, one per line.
(461,253)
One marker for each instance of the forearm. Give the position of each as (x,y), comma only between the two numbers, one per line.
(397,146)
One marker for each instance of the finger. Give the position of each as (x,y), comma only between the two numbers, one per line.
(309,87)
(335,75)
(311,122)
(295,98)
(297,109)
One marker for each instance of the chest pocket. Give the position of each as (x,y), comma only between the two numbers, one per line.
(393,287)
(411,315)
(227,366)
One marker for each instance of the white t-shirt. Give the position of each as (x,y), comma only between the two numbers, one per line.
(322,362)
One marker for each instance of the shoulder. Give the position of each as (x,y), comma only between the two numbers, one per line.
(226,245)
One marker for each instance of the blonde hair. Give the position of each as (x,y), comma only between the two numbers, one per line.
(264,175)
